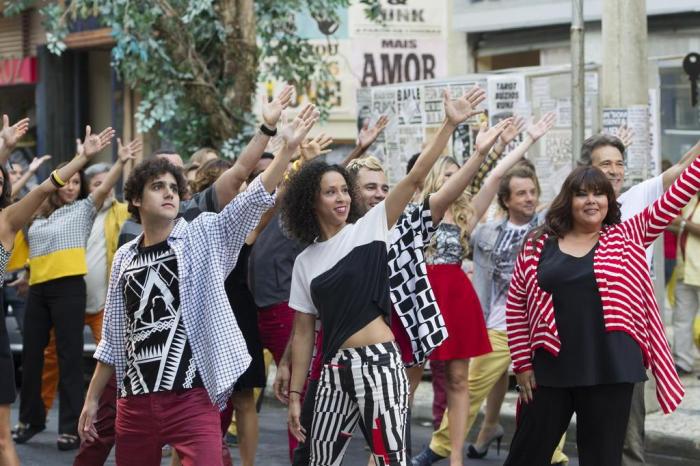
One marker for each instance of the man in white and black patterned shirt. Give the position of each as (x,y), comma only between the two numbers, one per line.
(167,301)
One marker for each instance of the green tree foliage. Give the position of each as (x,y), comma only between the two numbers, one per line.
(197,63)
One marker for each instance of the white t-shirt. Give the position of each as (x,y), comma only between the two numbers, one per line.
(345,279)
(512,236)
(96,259)
(638,198)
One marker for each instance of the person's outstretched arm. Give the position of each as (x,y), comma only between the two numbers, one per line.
(672,173)
(366,138)
(228,185)
(456,111)
(9,135)
(28,173)
(125,153)
(457,183)
(488,191)
(15,216)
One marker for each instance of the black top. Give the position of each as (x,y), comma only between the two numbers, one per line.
(158,354)
(345,279)
(271,263)
(246,313)
(366,268)
(589,354)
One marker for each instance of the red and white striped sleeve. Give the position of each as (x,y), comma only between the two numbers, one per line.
(652,221)
(517,322)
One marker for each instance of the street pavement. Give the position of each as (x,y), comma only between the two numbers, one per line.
(272,450)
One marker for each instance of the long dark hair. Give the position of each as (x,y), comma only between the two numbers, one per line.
(6,192)
(560,219)
(298,215)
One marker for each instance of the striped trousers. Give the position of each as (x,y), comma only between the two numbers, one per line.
(366,386)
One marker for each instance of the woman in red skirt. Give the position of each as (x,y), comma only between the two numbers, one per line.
(454,293)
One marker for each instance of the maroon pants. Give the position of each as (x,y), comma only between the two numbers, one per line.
(275,326)
(96,453)
(185,420)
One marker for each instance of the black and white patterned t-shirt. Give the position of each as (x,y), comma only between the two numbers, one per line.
(158,355)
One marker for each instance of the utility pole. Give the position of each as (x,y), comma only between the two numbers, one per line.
(578,83)
(625,83)
(625,57)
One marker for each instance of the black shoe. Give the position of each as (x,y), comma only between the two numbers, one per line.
(479,452)
(426,458)
(24,432)
(67,442)
(682,371)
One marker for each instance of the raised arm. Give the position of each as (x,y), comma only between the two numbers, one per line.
(9,135)
(672,174)
(653,220)
(456,111)
(31,171)
(516,127)
(292,134)
(488,191)
(125,153)
(15,216)
(229,183)
(366,138)
(457,183)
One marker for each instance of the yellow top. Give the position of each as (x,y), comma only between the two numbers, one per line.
(689,267)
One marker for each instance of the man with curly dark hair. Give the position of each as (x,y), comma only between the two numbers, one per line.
(166,348)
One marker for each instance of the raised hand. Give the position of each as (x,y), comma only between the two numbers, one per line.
(10,134)
(294,133)
(315,147)
(458,110)
(625,135)
(272,111)
(511,131)
(539,129)
(38,162)
(487,136)
(129,151)
(368,135)
(94,143)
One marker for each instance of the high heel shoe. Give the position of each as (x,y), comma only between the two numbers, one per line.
(475,452)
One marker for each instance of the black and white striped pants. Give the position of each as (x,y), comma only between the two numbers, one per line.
(366,385)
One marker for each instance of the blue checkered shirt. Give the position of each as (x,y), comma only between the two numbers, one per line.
(207,250)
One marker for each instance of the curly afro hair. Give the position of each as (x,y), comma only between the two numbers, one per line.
(145,172)
(297,210)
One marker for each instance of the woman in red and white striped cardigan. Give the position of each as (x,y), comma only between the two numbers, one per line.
(582,318)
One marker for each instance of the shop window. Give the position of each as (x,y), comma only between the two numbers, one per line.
(680,122)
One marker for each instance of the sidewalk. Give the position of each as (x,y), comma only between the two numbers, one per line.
(671,440)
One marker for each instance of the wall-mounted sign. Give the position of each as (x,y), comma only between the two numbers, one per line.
(14,71)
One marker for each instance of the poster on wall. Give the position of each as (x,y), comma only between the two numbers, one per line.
(635,118)
(417,18)
(506,97)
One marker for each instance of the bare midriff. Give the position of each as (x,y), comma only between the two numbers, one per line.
(373,333)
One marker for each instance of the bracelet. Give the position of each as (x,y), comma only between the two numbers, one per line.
(57,179)
(294,391)
(267,131)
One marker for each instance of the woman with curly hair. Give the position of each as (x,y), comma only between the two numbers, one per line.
(583,321)
(342,278)
(454,292)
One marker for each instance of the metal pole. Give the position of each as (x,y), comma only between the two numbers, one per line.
(578,83)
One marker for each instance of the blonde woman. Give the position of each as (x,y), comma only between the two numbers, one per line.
(454,292)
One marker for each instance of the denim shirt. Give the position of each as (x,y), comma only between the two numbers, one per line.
(483,241)
(207,250)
